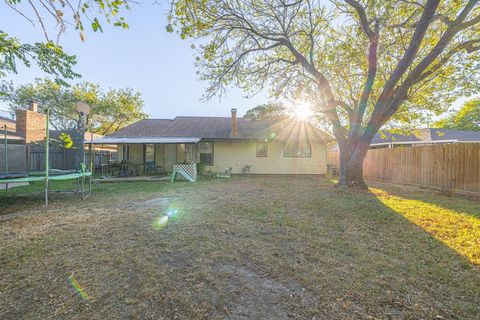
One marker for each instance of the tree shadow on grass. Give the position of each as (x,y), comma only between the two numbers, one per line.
(378,259)
(459,203)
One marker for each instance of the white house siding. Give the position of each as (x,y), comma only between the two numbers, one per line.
(239,154)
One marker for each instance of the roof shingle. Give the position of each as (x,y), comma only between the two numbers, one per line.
(219,128)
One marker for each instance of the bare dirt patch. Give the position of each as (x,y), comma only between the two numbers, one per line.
(257,296)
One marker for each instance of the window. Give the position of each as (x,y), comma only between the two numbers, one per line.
(150,153)
(190,153)
(180,153)
(206,152)
(262,149)
(298,149)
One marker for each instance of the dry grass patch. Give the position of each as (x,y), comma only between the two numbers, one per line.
(243,248)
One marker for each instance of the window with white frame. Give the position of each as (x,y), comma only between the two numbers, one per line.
(262,149)
(206,152)
(297,149)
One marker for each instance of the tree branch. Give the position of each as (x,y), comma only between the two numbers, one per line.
(456,26)
(357,118)
(362,16)
(409,55)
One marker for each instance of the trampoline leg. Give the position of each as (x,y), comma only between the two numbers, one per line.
(83,187)
(89,188)
(46,193)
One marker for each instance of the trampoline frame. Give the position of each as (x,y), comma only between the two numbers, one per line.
(45,176)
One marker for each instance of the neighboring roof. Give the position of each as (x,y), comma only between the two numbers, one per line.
(384,136)
(427,135)
(113,140)
(5,119)
(219,128)
(450,134)
(11,136)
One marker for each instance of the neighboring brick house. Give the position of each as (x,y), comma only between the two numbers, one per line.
(26,135)
(30,124)
(11,125)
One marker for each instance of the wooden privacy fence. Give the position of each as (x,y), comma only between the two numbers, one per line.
(454,167)
(62,158)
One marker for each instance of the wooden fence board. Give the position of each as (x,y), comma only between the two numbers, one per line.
(442,166)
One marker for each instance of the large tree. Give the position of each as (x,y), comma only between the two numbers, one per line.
(53,17)
(361,63)
(110,109)
(268,111)
(466,118)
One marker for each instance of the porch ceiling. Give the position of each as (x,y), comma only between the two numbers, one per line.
(116,140)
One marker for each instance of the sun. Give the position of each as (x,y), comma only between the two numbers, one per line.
(302,111)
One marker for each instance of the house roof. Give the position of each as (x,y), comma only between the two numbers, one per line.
(219,128)
(427,135)
(131,140)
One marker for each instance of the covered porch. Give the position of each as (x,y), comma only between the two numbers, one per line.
(149,156)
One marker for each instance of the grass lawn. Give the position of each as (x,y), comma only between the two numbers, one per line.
(240,248)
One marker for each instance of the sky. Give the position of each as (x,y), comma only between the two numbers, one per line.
(144,57)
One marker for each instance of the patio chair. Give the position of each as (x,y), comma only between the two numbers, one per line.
(150,167)
(123,172)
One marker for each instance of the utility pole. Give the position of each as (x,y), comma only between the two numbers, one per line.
(47,166)
(83,110)
(81,140)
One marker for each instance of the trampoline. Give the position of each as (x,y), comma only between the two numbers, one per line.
(49,174)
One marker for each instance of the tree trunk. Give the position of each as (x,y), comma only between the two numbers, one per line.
(352,156)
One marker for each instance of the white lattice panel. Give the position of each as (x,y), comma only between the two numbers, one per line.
(190,169)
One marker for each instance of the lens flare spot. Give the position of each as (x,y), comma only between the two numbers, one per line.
(160,222)
(78,289)
(171,213)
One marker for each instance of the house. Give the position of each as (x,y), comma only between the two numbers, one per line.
(9,127)
(423,136)
(221,143)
